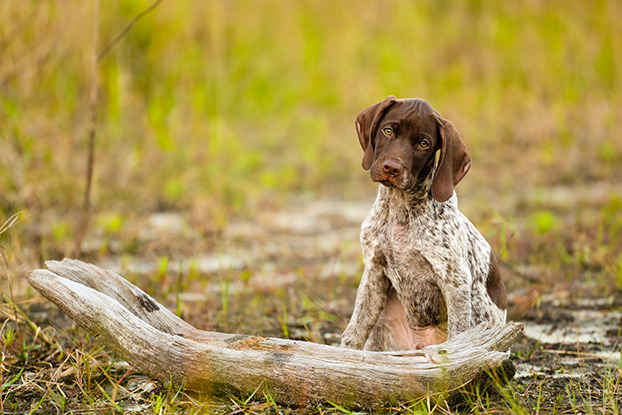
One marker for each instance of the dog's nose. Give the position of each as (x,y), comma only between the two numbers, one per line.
(392,167)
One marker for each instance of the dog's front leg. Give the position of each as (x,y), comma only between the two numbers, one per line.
(458,301)
(371,298)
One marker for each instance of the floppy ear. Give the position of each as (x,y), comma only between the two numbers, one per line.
(453,164)
(366,125)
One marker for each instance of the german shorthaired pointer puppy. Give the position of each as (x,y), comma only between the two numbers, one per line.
(429,274)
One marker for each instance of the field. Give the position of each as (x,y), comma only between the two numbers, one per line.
(227,180)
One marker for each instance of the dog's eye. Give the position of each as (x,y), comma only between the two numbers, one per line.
(424,144)
(388,131)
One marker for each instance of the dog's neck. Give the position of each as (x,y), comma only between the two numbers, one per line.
(405,204)
(417,201)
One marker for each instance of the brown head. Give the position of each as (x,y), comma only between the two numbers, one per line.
(401,137)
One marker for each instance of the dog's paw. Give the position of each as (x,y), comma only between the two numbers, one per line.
(349,341)
(347,344)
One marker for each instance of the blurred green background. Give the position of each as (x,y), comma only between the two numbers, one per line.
(218,108)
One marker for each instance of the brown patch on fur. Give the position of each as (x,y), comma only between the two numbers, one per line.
(494,284)
(379,259)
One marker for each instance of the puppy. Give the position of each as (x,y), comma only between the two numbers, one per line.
(429,274)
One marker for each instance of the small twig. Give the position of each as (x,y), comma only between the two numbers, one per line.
(86,202)
(114,41)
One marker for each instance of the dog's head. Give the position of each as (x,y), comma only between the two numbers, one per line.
(401,138)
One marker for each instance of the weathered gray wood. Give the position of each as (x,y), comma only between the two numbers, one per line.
(118,288)
(157,342)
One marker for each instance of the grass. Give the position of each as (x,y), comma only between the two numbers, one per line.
(222,111)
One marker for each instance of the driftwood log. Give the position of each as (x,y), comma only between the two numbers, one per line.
(160,344)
